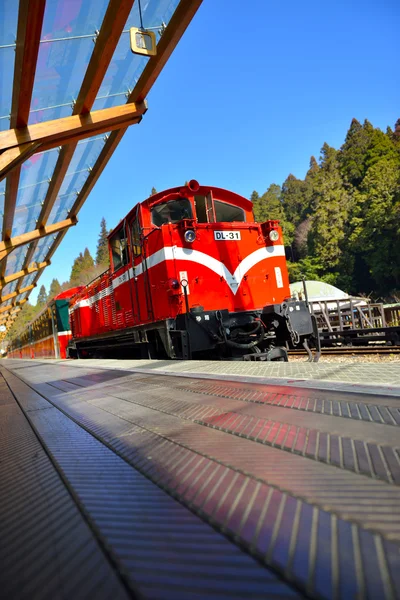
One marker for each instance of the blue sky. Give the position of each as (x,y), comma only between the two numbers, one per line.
(251,92)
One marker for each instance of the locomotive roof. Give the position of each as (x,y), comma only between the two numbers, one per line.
(218,193)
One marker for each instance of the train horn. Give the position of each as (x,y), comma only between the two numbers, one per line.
(193,185)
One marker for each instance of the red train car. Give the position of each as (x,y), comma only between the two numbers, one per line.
(48,334)
(192,275)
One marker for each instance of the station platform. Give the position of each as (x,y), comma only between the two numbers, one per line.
(167,480)
(356,376)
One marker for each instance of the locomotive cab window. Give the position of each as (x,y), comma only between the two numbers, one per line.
(227,213)
(171,212)
(119,249)
(136,249)
(204,209)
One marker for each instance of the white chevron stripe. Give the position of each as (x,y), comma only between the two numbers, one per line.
(233,280)
(177,253)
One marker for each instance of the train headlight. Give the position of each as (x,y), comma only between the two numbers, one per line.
(273,235)
(189,236)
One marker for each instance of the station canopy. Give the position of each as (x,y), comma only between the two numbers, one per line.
(70,86)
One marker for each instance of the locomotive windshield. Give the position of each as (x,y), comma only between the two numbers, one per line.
(226,213)
(171,212)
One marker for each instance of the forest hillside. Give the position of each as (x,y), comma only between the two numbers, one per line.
(342,221)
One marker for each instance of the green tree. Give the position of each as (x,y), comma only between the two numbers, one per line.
(376,224)
(88,261)
(55,288)
(254,197)
(296,198)
(353,153)
(84,270)
(42,297)
(310,268)
(269,207)
(396,133)
(153,191)
(102,255)
(381,147)
(76,270)
(331,205)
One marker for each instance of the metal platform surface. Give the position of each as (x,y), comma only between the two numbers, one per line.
(180,487)
(350,376)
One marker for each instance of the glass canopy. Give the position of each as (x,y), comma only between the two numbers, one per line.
(80,60)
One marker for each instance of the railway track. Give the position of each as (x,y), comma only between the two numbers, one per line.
(307,482)
(353,350)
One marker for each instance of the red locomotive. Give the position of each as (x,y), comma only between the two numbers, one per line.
(192,275)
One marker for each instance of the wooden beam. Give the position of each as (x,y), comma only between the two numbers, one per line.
(30,21)
(23,273)
(14,309)
(13,305)
(17,292)
(57,178)
(112,27)
(8,246)
(14,157)
(51,134)
(6,318)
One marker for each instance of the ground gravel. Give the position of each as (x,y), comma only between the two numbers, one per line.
(353,358)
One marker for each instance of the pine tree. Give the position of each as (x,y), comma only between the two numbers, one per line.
(102,256)
(269,207)
(88,261)
(254,198)
(381,147)
(42,297)
(76,270)
(153,191)
(55,288)
(396,133)
(296,198)
(376,225)
(83,269)
(331,209)
(314,167)
(353,153)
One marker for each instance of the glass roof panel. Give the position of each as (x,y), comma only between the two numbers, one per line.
(7,56)
(9,288)
(28,279)
(2,192)
(23,296)
(8,34)
(5,304)
(62,64)
(8,23)
(34,182)
(42,248)
(15,260)
(85,155)
(126,67)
